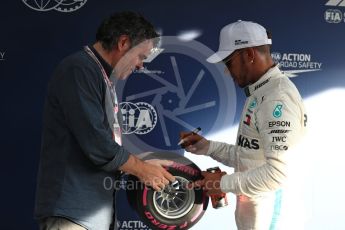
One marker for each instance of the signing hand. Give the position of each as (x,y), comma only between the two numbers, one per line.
(194,143)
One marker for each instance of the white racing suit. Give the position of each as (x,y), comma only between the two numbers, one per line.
(272,121)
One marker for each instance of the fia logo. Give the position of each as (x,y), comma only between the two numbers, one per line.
(333,16)
(138,118)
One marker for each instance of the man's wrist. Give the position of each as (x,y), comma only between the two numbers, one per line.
(133,166)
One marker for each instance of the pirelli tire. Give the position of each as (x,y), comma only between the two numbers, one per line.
(177,207)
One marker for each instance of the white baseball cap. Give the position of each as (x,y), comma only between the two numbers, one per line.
(238,35)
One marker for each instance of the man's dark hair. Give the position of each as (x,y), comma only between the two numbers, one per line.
(132,24)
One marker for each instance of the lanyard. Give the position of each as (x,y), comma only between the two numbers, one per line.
(111,87)
(105,76)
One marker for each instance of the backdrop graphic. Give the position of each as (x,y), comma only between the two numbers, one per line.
(177,90)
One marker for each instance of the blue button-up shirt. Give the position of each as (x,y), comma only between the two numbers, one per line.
(78,152)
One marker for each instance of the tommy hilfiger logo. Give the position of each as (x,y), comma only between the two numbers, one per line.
(336,3)
(240,42)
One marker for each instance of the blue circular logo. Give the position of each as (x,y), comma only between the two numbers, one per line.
(186,92)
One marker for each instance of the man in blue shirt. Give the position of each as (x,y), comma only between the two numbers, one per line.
(81,139)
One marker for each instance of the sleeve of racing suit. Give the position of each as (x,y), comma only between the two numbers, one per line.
(79,93)
(222,152)
(279,124)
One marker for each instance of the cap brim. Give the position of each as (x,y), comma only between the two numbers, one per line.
(219,56)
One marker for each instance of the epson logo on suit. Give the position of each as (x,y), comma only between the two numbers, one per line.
(278,124)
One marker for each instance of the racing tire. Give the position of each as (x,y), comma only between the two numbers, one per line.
(176,207)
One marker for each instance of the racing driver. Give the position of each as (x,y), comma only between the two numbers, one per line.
(272,121)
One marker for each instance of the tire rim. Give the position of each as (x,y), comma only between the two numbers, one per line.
(174,201)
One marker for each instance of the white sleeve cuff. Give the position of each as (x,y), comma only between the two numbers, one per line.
(210,149)
(226,184)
